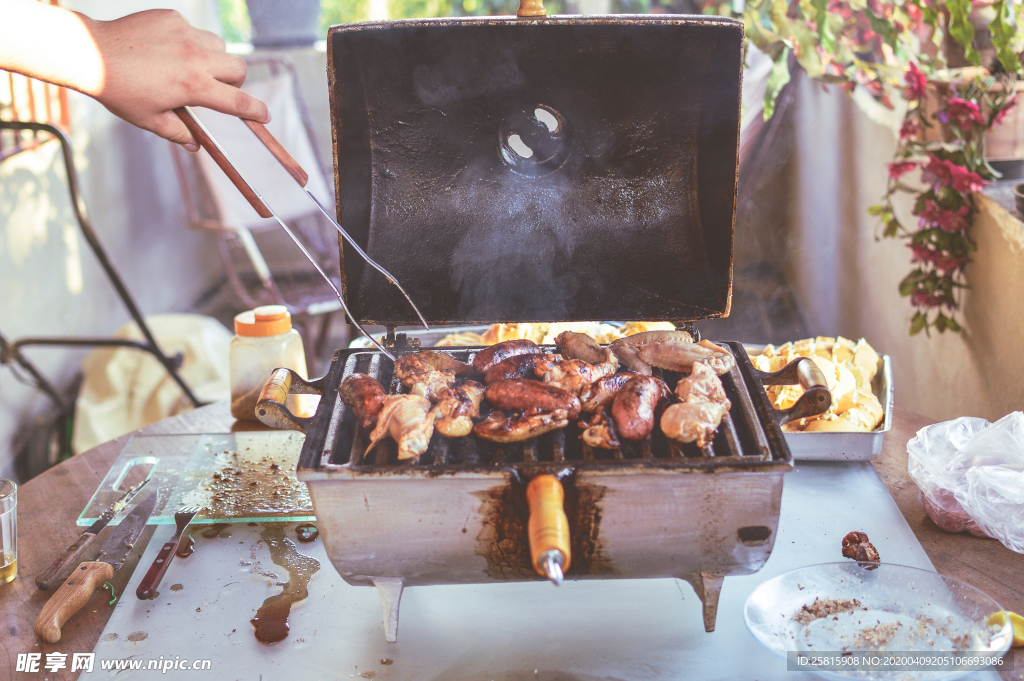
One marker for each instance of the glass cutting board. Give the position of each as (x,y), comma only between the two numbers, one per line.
(236,477)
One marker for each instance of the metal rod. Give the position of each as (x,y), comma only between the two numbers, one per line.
(291,235)
(8,352)
(78,205)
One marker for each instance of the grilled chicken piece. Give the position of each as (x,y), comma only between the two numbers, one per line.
(490,356)
(516,366)
(599,394)
(500,427)
(626,349)
(692,421)
(702,385)
(426,372)
(635,406)
(456,408)
(600,432)
(572,345)
(364,396)
(681,355)
(571,375)
(523,395)
(408,420)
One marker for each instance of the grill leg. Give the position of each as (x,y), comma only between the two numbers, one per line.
(708,587)
(390,591)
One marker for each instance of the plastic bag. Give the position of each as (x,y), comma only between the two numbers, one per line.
(971,475)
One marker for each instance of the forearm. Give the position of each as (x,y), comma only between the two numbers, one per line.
(51,44)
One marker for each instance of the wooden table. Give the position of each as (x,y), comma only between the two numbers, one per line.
(49,504)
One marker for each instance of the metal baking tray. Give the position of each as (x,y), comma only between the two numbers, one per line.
(804,446)
(845,446)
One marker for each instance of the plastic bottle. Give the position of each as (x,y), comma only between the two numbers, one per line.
(264,340)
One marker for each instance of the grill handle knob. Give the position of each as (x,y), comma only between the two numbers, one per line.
(531,8)
(548,528)
(816,398)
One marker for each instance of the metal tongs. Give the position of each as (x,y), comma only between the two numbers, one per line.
(218,154)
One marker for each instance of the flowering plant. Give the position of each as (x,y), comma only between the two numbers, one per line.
(950,173)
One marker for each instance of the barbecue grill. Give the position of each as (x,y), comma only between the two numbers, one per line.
(540,169)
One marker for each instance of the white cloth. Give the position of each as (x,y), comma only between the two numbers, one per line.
(257,165)
(124,389)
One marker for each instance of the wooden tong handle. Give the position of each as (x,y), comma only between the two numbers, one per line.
(218,156)
(70,598)
(548,528)
(279,152)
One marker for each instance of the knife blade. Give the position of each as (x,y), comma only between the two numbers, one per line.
(90,575)
(62,563)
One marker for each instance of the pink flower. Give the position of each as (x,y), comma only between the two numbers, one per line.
(939,171)
(943,262)
(909,129)
(898,170)
(1001,114)
(917,83)
(934,215)
(964,113)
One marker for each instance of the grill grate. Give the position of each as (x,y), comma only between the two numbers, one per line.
(740,437)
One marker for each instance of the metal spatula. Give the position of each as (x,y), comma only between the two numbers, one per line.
(218,154)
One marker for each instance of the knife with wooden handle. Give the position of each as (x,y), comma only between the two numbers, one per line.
(53,574)
(76,591)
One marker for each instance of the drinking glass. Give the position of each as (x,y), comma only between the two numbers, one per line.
(8,531)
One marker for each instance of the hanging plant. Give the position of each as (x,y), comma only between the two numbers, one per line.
(951,172)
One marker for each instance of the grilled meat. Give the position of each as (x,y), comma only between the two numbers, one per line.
(500,427)
(520,394)
(364,396)
(702,385)
(456,408)
(571,375)
(692,421)
(599,394)
(516,366)
(600,432)
(490,356)
(634,407)
(626,349)
(572,345)
(677,355)
(408,420)
(857,547)
(424,372)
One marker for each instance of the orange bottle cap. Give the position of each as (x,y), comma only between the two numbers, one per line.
(268,320)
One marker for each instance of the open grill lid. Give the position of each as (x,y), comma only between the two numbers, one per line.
(560,169)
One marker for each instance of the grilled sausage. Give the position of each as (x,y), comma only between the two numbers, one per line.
(517,366)
(634,407)
(499,427)
(364,396)
(498,352)
(572,345)
(520,394)
(599,394)
(626,349)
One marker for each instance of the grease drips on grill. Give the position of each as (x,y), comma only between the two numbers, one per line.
(271,620)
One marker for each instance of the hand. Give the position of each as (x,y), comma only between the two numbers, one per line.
(154,62)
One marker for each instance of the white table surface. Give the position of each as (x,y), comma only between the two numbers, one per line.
(606,630)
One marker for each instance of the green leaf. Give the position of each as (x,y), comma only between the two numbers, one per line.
(909,283)
(776,81)
(940,322)
(876,209)
(892,228)
(1002,37)
(961,29)
(953,326)
(917,324)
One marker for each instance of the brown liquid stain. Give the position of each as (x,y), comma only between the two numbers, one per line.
(215,530)
(387,660)
(271,620)
(307,532)
(109,637)
(186,547)
(177,587)
(137,636)
(504,543)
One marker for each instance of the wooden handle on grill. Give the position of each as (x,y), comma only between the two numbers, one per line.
(816,398)
(531,8)
(271,410)
(206,142)
(279,152)
(548,528)
(70,598)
